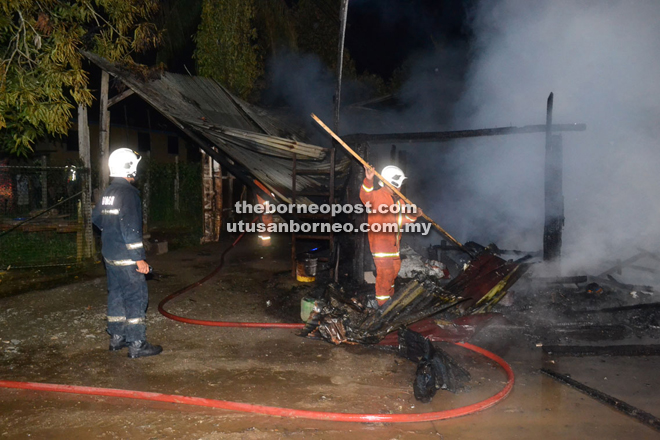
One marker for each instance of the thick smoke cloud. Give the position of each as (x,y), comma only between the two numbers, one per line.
(600,58)
(301,84)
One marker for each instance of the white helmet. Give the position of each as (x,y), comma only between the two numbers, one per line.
(123,162)
(394,175)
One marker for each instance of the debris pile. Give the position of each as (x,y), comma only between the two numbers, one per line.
(343,318)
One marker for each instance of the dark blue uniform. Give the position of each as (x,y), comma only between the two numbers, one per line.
(119,217)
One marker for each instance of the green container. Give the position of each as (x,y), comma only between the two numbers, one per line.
(306,308)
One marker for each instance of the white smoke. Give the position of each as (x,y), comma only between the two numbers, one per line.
(600,58)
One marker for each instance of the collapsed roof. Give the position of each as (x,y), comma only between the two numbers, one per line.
(226,127)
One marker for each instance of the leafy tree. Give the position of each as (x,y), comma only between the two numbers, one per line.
(317,22)
(42,74)
(179,20)
(276,27)
(225,45)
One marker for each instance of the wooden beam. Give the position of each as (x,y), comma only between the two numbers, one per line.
(119,97)
(445,136)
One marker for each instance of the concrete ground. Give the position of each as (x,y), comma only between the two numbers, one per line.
(58,336)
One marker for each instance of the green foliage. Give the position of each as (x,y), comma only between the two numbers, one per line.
(317,24)
(225,40)
(24,249)
(42,73)
(179,20)
(225,45)
(276,26)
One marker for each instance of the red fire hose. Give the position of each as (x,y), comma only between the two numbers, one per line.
(161,305)
(282,412)
(271,410)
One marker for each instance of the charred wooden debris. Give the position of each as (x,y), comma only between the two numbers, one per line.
(413,317)
(594,308)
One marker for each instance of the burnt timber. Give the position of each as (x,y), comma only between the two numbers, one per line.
(603,350)
(445,136)
(619,405)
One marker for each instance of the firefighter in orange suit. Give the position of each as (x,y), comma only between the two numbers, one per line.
(385,245)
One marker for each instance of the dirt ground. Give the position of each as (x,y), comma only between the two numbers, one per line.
(58,336)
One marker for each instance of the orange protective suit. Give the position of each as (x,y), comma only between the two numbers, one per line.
(384,245)
(266,219)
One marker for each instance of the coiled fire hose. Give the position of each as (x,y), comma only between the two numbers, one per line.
(271,410)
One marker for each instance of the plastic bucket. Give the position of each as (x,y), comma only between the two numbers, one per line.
(306,269)
(306,308)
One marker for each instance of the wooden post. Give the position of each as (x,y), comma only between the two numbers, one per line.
(104,133)
(554,198)
(230,193)
(146,195)
(85,236)
(176,184)
(212,198)
(146,203)
(343,13)
(217,198)
(360,247)
(44,183)
(293,202)
(207,203)
(331,198)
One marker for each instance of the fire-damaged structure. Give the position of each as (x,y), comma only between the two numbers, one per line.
(409,319)
(277,162)
(266,153)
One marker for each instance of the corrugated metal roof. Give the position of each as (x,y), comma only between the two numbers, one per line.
(248,135)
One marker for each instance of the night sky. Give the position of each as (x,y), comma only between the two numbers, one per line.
(382,34)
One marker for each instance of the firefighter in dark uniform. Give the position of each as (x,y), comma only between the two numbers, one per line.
(119,217)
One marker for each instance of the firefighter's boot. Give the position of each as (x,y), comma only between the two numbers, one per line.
(139,349)
(117,342)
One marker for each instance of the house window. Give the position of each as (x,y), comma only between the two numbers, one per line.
(173,145)
(72,141)
(144,142)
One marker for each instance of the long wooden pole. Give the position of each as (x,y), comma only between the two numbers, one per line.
(343,12)
(389,185)
(104,133)
(86,181)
